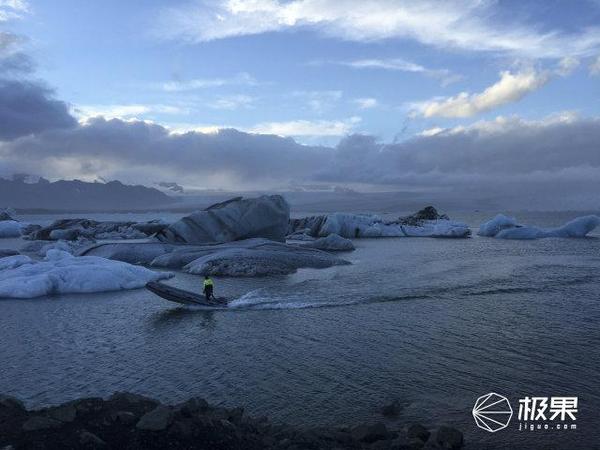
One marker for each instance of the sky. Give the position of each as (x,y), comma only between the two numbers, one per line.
(465,96)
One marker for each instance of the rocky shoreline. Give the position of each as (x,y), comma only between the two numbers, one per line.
(132,421)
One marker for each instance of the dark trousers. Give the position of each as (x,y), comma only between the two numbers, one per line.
(208,292)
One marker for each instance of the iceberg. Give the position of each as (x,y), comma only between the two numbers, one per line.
(425,223)
(236,219)
(129,252)
(73,229)
(62,273)
(271,258)
(503,227)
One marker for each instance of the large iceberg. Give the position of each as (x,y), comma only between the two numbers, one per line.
(62,273)
(269,258)
(425,223)
(248,257)
(236,219)
(503,227)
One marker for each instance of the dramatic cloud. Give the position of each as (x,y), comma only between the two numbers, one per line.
(510,88)
(138,151)
(462,24)
(27,107)
(13,61)
(401,65)
(501,157)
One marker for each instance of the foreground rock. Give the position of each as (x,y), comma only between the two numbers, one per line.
(249,257)
(62,273)
(504,227)
(130,421)
(73,229)
(236,219)
(425,223)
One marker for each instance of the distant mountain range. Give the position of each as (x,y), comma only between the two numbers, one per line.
(80,196)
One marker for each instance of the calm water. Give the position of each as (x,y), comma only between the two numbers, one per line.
(434,323)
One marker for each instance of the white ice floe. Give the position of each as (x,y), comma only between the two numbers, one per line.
(503,227)
(370,225)
(62,273)
(11,228)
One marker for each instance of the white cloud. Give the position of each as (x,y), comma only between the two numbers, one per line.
(366,103)
(595,66)
(567,65)
(462,24)
(307,127)
(132,111)
(203,83)
(232,102)
(12,9)
(398,64)
(510,88)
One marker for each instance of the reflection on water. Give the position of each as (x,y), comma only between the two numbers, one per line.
(179,316)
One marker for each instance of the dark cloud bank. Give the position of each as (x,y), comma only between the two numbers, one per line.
(554,163)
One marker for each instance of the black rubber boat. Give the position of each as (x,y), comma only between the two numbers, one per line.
(177,295)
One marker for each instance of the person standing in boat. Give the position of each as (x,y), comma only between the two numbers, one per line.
(208,288)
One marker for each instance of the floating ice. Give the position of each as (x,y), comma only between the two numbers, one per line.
(62,273)
(11,228)
(503,227)
(370,225)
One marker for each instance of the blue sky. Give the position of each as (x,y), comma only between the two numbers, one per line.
(456,96)
(328,78)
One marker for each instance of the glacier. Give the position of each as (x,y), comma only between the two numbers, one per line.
(62,273)
(504,227)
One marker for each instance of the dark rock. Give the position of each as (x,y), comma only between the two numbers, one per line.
(8,402)
(90,439)
(156,420)
(392,410)
(370,433)
(41,423)
(236,415)
(5,215)
(183,429)
(449,438)
(86,405)
(418,431)
(64,413)
(124,417)
(427,213)
(193,406)
(30,228)
(4,252)
(128,397)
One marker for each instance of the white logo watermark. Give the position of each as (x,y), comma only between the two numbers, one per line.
(492,412)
